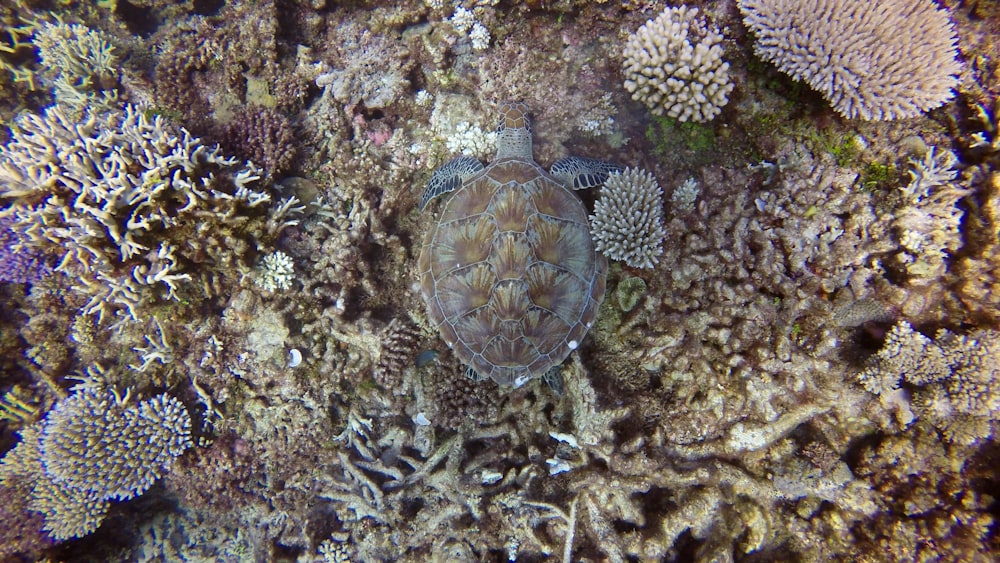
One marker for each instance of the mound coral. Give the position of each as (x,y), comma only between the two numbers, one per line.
(881,60)
(674,65)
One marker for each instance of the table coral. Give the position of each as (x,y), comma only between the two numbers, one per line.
(890,59)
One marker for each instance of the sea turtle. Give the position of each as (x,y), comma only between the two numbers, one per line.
(509,273)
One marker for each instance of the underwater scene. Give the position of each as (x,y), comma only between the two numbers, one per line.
(589,281)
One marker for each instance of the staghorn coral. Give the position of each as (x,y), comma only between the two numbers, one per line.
(955,380)
(673,64)
(79,63)
(117,197)
(91,448)
(889,59)
(627,223)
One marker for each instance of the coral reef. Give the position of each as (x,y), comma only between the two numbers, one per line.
(673,65)
(852,52)
(804,368)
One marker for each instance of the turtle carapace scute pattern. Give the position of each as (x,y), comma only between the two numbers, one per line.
(509,273)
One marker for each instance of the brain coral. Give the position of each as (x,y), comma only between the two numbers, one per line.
(674,65)
(881,60)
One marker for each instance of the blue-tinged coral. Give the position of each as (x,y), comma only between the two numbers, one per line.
(93,447)
(20,262)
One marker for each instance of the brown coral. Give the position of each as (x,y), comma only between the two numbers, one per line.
(935,509)
(265,136)
(977,273)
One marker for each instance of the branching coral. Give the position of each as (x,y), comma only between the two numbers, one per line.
(740,329)
(80,63)
(627,223)
(674,65)
(91,448)
(889,59)
(955,380)
(126,201)
(928,222)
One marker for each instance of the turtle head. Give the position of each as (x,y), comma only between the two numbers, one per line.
(514,131)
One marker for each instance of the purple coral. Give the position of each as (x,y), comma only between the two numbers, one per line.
(19,263)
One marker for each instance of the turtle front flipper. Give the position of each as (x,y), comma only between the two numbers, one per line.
(579,173)
(449,177)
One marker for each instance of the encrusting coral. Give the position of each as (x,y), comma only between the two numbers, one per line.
(873,60)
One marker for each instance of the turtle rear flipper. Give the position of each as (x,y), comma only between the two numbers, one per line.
(579,173)
(449,177)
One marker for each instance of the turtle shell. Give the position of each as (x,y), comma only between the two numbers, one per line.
(509,272)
